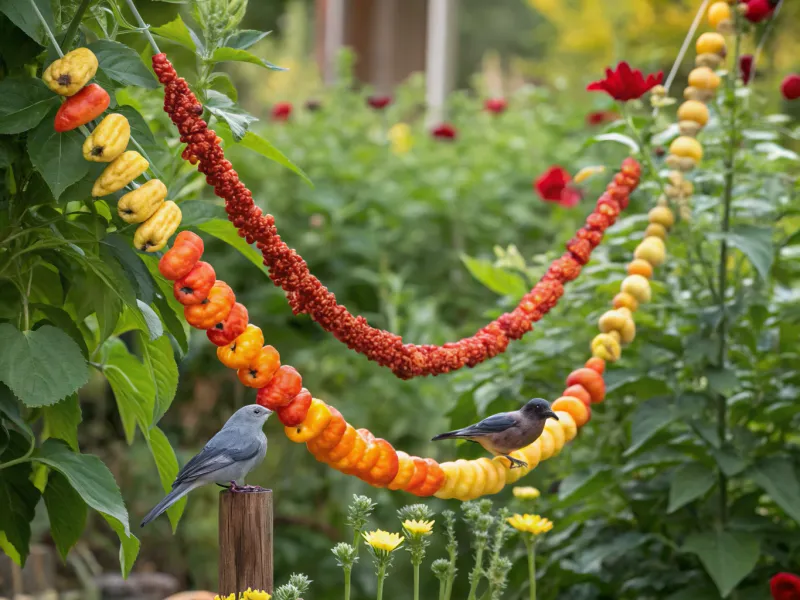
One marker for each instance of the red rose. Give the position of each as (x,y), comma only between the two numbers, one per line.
(445,131)
(379,102)
(758,10)
(625,83)
(790,88)
(281,111)
(746,70)
(785,586)
(552,187)
(496,105)
(598,117)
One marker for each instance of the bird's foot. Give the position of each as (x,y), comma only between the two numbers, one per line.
(516,463)
(235,488)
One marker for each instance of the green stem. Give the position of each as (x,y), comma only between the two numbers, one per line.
(476,574)
(24,458)
(75,23)
(643,148)
(442,589)
(416,581)
(531,568)
(381,577)
(347,584)
(448,589)
(145,27)
(47,29)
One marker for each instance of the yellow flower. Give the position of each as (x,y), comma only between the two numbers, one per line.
(383,540)
(533,524)
(400,138)
(255,595)
(418,527)
(229,597)
(526,493)
(587,172)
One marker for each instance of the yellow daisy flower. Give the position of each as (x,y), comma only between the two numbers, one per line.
(418,527)
(526,493)
(255,595)
(383,540)
(228,597)
(400,138)
(533,524)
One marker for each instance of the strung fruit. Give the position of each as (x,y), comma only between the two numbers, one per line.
(711,43)
(703,78)
(331,435)
(318,417)
(626,300)
(686,147)
(349,460)
(638,287)
(596,364)
(692,110)
(405,471)
(153,234)
(261,370)
(641,267)
(419,475)
(108,140)
(656,230)
(213,309)
(193,287)
(119,173)
(580,392)
(295,412)
(547,445)
(450,479)
(343,446)
(372,452)
(718,14)
(224,332)
(279,391)
(567,424)
(85,106)
(434,478)
(532,455)
(651,249)
(182,257)
(388,466)
(591,380)
(580,412)
(606,347)
(243,349)
(140,204)
(619,321)
(67,75)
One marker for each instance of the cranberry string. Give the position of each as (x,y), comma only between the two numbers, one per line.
(306,294)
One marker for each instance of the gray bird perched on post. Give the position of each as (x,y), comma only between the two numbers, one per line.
(228,457)
(503,433)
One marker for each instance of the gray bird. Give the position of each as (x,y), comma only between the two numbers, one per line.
(227,457)
(503,433)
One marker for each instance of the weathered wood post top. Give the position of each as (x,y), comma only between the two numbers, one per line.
(245,541)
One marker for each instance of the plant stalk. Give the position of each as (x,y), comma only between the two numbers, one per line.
(145,27)
(47,29)
(381,577)
(476,574)
(77,18)
(416,581)
(347,584)
(531,546)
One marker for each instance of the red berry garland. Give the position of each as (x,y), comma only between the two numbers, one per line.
(306,294)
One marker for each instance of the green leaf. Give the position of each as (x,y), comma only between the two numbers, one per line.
(143,318)
(730,462)
(132,387)
(154,151)
(778,477)
(61,421)
(225,231)
(18,498)
(224,108)
(8,151)
(221,82)
(168,307)
(649,418)
(722,381)
(66,511)
(129,547)
(108,308)
(727,556)
(615,137)
(496,279)
(122,64)
(135,270)
(755,243)
(159,360)
(245,38)
(256,143)
(239,55)
(61,319)
(167,466)
(26,101)
(689,482)
(41,367)
(9,409)
(195,212)
(22,14)
(94,482)
(176,31)
(584,483)
(57,156)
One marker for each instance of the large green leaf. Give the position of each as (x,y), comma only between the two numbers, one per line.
(167,465)
(778,477)
(584,483)
(689,482)
(57,156)
(133,389)
(61,421)
(122,64)
(256,143)
(108,308)
(61,319)
(496,279)
(66,510)
(94,482)
(727,556)
(755,243)
(159,360)
(225,231)
(168,307)
(649,418)
(244,38)
(9,409)
(23,15)
(133,267)
(41,367)
(25,103)
(132,320)
(176,31)
(224,108)
(239,55)
(18,498)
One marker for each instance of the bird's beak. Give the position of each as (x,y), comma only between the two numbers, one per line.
(551,415)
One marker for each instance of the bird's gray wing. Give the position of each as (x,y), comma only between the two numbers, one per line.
(493,424)
(218,453)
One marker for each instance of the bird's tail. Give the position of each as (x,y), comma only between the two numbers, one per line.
(449,435)
(170,499)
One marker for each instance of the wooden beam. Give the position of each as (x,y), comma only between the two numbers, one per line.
(245,542)
(335,21)
(440,57)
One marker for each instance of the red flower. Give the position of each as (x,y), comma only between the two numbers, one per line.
(495,105)
(746,70)
(552,187)
(281,111)
(758,10)
(785,586)
(598,117)
(790,88)
(379,102)
(445,131)
(626,84)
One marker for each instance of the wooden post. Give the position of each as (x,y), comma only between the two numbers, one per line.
(440,56)
(245,542)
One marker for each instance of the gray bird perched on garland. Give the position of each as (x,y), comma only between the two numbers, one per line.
(503,433)
(225,460)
